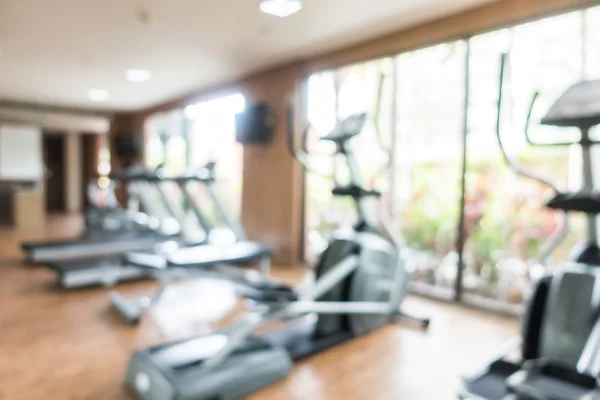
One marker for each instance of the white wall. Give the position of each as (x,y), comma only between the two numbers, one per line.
(57,121)
(21,152)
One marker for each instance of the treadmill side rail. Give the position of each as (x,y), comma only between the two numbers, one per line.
(75,249)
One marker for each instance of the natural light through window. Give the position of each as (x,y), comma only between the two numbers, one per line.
(212,138)
(214,110)
(504,221)
(188,139)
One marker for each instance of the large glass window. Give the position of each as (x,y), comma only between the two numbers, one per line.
(507,224)
(361,88)
(211,138)
(166,142)
(429,158)
(504,219)
(188,139)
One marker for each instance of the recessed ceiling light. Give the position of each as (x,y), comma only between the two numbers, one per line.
(138,75)
(98,94)
(280,8)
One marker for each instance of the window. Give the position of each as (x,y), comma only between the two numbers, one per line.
(211,138)
(166,142)
(429,153)
(188,139)
(505,222)
(334,96)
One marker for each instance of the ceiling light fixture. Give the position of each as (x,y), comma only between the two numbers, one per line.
(98,94)
(280,8)
(138,75)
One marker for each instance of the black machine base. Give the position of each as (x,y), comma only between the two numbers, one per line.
(299,340)
(491,384)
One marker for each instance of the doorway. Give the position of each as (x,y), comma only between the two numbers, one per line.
(54,160)
(6,208)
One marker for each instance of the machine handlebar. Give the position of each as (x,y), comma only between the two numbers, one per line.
(532,142)
(514,165)
(344,130)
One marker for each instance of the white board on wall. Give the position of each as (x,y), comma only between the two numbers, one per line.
(21,156)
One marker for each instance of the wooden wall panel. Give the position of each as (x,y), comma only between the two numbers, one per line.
(271,194)
(73,172)
(124,124)
(29,210)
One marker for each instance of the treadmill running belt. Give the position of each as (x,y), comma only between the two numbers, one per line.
(83,263)
(105,238)
(79,248)
(236,253)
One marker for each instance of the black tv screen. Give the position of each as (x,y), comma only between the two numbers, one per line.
(254,125)
(128,145)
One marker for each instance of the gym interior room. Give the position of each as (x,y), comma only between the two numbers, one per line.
(299,199)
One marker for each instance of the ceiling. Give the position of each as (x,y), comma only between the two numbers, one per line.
(54,51)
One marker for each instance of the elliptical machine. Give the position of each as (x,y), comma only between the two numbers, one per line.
(361,280)
(560,341)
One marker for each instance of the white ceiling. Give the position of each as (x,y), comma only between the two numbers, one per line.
(54,51)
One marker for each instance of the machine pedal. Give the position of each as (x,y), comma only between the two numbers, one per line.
(130,311)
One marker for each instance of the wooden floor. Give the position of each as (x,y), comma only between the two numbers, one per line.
(69,345)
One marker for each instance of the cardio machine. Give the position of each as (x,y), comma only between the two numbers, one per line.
(560,338)
(361,280)
(168,263)
(109,230)
(104,214)
(149,188)
(107,268)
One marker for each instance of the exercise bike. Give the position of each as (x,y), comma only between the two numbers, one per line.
(361,280)
(560,340)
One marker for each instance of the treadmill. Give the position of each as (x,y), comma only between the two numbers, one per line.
(143,232)
(95,259)
(105,271)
